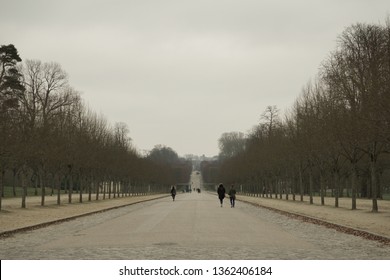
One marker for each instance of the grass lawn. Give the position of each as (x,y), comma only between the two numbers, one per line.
(8,192)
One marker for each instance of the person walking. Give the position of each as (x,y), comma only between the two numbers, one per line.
(173,193)
(221,193)
(232,195)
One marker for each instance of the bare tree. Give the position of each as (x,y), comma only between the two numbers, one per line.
(356,71)
(231,144)
(270,118)
(47,94)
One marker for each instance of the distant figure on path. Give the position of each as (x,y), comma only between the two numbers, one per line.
(232,195)
(221,193)
(173,193)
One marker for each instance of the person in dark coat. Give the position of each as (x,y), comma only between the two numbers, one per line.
(221,193)
(232,195)
(173,193)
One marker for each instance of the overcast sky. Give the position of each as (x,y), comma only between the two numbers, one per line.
(180,73)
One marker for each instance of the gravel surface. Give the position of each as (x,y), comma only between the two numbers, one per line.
(256,233)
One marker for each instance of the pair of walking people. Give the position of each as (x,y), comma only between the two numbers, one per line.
(222,192)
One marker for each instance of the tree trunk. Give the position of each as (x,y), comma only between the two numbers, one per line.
(104,190)
(336,188)
(301,183)
(14,181)
(322,188)
(80,180)
(53,184)
(1,186)
(58,190)
(43,187)
(35,180)
(24,188)
(353,185)
(311,186)
(90,187)
(70,186)
(374,185)
(294,187)
(280,188)
(97,190)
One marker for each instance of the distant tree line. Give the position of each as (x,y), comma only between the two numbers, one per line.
(336,137)
(50,140)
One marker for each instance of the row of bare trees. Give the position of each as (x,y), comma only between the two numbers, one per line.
(50,139)
(336,137)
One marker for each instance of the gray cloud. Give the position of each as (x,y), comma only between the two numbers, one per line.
(181,73)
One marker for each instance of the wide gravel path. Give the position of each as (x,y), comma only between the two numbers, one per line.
(192,227)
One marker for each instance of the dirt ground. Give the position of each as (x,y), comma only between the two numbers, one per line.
(14,218)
